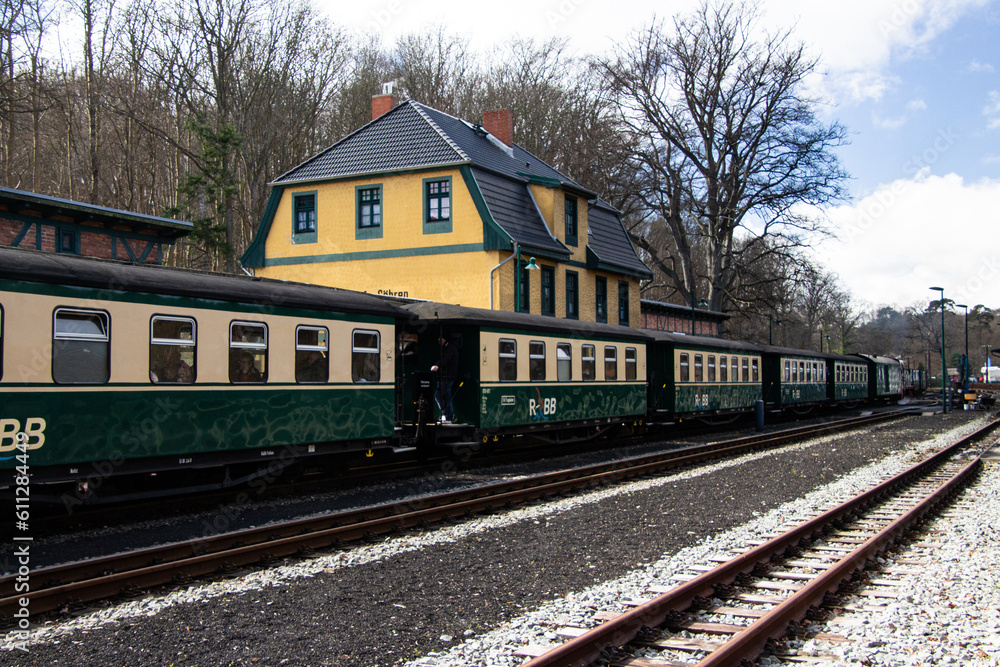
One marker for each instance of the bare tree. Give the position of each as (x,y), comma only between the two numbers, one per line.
(728,141)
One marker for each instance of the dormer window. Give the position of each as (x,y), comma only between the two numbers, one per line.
(571,221)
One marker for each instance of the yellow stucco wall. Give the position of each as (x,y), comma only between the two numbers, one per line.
(451,271)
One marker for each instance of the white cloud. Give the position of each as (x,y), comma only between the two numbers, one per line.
(913,233)
(976,67)
(916,105)
(992,110)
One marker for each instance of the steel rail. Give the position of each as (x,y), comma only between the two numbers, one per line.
(587,648)
(104,577)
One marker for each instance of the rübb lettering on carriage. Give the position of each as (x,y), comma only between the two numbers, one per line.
(11,432)
(547,407)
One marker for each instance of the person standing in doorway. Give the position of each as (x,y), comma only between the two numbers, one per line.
(447,369)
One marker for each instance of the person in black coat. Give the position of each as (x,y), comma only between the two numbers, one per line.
(447,368)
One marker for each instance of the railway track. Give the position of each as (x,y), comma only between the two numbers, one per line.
(67,586)
(775,589)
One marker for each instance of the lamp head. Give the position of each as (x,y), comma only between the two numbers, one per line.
(531,265)
(939,289)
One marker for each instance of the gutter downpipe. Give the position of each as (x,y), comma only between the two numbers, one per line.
(516,253)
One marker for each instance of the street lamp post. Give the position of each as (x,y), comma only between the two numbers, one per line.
(944,368)
(989,348)
(965,359)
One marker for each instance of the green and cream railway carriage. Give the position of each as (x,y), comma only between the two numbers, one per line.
(521,373)
(697,375)
(885,377)
(795,377)
(110,369)
(850,378)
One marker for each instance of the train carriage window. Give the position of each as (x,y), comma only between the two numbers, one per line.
(588,359)
(365,356)
(723,369)
(802,371)
(788,371)
(685,367)
(631,364)
(564,362)
(699,368)
(536,361)
(711,368)
(247,352)
(756,370)
(610,363)
(172,349)
(312,354)
(81,346)
(746,369)
(795,372)
(1,342)
(809,373)
(508,360)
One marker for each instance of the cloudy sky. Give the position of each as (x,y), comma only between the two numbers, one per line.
(917,83)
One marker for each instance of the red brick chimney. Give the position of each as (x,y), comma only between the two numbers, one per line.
(500,124)
(383,104)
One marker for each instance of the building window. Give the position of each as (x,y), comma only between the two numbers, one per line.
(623,303)
(247,352)
(365,355)
(572,295)
(81,346)
(685,366)
(588,362)
(631,364)
(524,288)
(304,217)
(68,242)
(548,291)
(536,361)
(564,362)
(601,298)
(508,360)
(172,350)
(610,363)
(312,354)
(369,208)
(571,221)
(699,368)
(437,205)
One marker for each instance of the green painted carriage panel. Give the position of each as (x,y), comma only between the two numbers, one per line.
(803,392)
(116,424)
(508,405)
(700,397)
(848,391)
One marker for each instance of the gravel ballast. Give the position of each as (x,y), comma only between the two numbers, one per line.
(468,593)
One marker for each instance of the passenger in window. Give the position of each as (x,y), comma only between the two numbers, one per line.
(312,367)
(447,368)
(170,368)
(243,369)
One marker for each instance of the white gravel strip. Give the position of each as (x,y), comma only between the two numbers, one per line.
(286,574)
(951,615)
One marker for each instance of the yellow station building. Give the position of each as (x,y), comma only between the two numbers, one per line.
(420,204)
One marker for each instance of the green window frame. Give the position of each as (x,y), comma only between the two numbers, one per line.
(572,222)
(304,217)
(370,211)
(548,291)
(572,295)
(623,318)
(601,299)
(437,205)
(524,288)
(67,241)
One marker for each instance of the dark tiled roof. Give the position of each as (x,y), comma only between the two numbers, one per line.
(513,209)
(401,139)
(608,244)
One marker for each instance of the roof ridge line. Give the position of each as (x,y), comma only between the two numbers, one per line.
(455,147)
